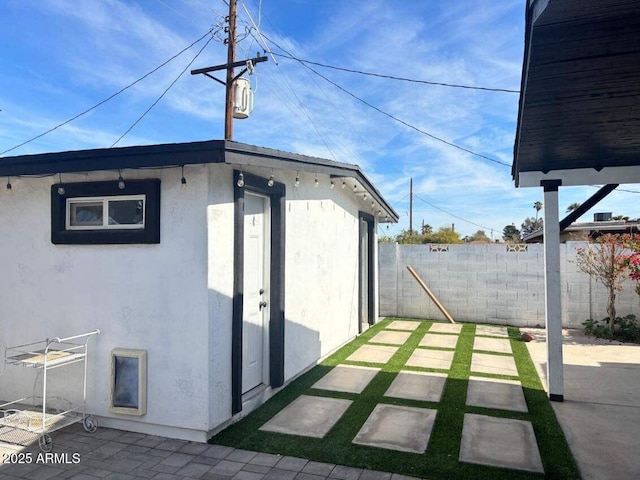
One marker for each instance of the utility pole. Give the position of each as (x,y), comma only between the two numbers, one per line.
(411,205)
(231,78)
(231,58)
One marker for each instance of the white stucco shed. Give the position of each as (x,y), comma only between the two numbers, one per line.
(235,268)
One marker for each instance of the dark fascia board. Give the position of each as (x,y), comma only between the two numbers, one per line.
(178,154)
(531,5)
(240,154)
(144,156)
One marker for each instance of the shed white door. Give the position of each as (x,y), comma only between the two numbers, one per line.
(255,299)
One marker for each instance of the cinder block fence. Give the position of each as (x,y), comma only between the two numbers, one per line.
(492,283)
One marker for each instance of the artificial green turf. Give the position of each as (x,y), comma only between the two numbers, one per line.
(441,457)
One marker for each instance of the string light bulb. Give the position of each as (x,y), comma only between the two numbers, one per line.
(355,187)
(317,182)
(183,181)
(332,186)
(373,205)
(271,181)
(240,181)
(297,182)
(344,184)
(61,190)
(121,184)
(9,183)
(364,197)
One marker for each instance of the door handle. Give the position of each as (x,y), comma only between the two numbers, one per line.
(262,305)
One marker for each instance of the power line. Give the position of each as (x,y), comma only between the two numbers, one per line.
(106,99)
(617,189)
(413,127)
(162,95)
(453,215)
(403,79)
(178,12)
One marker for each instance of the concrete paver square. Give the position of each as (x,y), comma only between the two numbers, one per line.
(373,354)
(403,325)
(347,378)
(422,386)
(308,416)
(393,427)
(491,331)
(500,345)
(424,358)
(394,338)
(496,393)
(438,340)
(495,364)
(500,442)
(445,328)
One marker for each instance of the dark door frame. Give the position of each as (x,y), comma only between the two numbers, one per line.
(367,219)
(277,195)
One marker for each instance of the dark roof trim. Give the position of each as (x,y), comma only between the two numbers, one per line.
(249,155)
(164,155)
(528,32)
(178,154)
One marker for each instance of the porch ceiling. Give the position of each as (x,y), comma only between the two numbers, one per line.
(579,116)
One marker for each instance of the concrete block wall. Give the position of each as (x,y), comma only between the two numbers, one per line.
(490,284)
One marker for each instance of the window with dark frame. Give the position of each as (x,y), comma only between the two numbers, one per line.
(102,213)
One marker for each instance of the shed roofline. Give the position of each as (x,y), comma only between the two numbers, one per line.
(179,154)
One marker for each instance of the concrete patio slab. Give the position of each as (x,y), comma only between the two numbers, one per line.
(500,442)
(308,416)
(403,325)
(602,401)
(491,331)
(496,393)
(406,429)
(439,341)
(393,338)
(422,386)
(494,364)
(347,378)
(446,328)
(373,354)
(422,357)
(500,345)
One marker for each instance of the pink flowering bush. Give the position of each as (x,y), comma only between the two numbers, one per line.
(631,261)
(609,260)
(604,260)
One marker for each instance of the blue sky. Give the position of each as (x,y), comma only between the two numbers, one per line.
(60,57)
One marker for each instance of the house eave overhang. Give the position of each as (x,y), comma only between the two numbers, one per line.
(247,155)
(579,115)
(192,153)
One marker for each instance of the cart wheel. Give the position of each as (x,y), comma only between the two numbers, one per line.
(45,443)
(90,423)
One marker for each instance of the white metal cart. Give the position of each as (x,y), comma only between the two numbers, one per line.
(43,415)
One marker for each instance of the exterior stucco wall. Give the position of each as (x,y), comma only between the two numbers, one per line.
(321,277)
(488,284)
(173,299)
(220,217)
(149,297)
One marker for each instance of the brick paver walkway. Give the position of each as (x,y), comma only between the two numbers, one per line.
(117,455)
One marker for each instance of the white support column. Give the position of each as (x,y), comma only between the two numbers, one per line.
(553,311)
